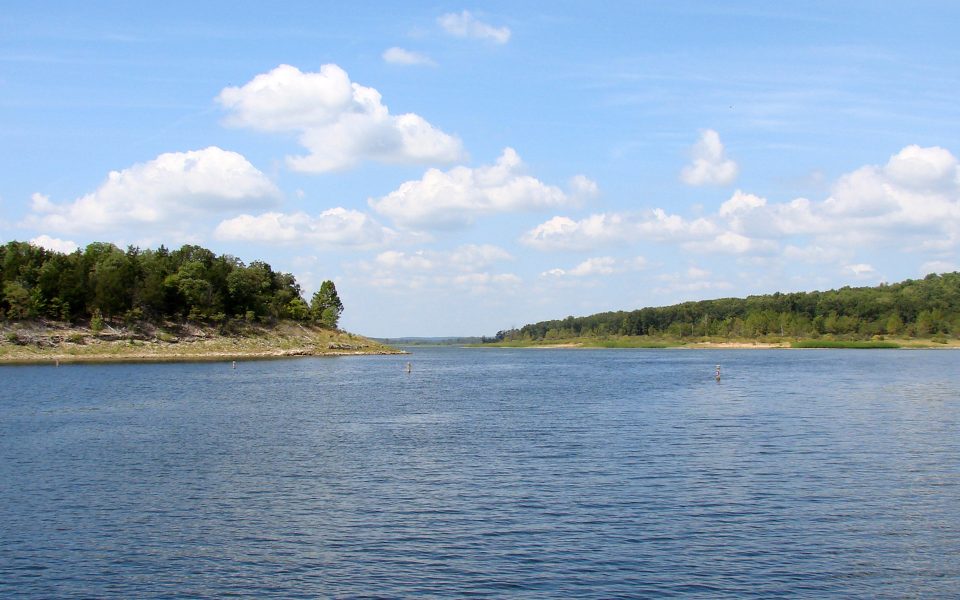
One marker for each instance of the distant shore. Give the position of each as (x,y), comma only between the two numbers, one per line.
(666,343)
(59,343)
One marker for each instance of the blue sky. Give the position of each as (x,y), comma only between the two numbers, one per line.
(458,169)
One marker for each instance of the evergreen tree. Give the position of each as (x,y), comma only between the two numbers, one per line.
(325,306)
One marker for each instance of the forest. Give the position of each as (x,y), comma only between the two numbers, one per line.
(925,308)
(103,283)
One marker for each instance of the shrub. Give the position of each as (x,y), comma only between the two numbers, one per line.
(96,322)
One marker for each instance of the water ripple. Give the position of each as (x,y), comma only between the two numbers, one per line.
(513,473)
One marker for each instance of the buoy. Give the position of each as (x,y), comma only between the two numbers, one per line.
(409,368)
(717,374)
(234,364)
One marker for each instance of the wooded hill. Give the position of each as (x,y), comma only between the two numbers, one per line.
(104,283)
(929,308)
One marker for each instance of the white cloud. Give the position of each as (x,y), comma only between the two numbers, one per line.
(603,265)
(729,242)
(582,187)
(938,266)
(400,56)
(693,281)
(166,192)
(483,281)
(333,227)
(478,256)
(710,164)
(912,203)
(41,203)
(563,233)
(860,270)
(55,244)
(455,198)
(915,195)
(598,266)
(466,267)
(814,253)
(917,188)
(465,25)
(741,202)
(913,199)
(340,123)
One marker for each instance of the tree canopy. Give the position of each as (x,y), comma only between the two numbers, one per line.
(924,308)
(191,284)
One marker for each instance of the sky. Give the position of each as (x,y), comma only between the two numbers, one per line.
(461,168)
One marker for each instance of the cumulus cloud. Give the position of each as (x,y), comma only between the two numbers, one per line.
(860,270)
(164,192)
(55,244)
(582,187)
(407,58)
(466,267)
(603,265)
(814,253)
(730,242)
(333,227)
(739,203)
(599,266)
(477,256)
(339,122)
(563,233)
(917,191)
(913,201)
(938,266)
(710,164)
(693,281)
(456,198)
(465,25)
(918,187)
(915,194)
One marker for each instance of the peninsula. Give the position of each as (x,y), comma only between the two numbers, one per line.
(103,303)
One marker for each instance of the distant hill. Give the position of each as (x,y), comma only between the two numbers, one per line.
(925,308)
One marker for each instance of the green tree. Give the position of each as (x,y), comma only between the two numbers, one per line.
(112,278)
(894,324)
(298,309)
(17,298)
(325,306)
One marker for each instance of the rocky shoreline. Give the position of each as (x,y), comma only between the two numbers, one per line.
(45,342)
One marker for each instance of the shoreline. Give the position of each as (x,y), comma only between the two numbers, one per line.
(74,359)
(901,345)
(58,343)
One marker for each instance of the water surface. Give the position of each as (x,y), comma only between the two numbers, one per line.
(494,473)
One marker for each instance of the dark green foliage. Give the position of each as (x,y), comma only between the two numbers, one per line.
(325,306)
(103,283)
(914,308)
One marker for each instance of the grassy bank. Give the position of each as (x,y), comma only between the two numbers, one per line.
(39,342)
(844,344)
(711,342)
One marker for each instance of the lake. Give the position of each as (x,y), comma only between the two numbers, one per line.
(491,473)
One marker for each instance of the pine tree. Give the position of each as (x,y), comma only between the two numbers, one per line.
(325,306)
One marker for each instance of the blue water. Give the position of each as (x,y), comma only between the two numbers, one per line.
(490,473)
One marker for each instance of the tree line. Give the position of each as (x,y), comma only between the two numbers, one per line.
(103,282)
(928,307)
